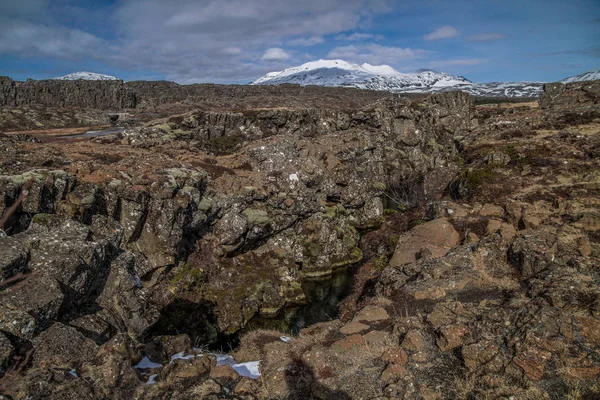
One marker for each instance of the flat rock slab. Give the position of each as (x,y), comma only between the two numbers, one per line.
(62,346)
(437,236)
(371,314)
(353,327)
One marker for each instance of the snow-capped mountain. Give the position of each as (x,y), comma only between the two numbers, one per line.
(384,77)
(586,76)
(364,76)
(87,76)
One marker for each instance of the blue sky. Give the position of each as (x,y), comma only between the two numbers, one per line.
(236,41)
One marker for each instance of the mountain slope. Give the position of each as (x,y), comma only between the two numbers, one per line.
(365,76)
(87,76)
(586,76)
(384,77)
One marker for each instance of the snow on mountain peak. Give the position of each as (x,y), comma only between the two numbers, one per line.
(384,77)
(364,76)
(383,70)
(586,76)
(310,67)
(87,76)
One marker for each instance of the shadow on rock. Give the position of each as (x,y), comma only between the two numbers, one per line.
(303,384)
(197,319)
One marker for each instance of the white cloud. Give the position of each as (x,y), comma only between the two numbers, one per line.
(359,36)
(275,54)
(29,39)
(457,62)
(376,54)
(197,41)
(189,47)
(443,32)
(311,41)
(486,37)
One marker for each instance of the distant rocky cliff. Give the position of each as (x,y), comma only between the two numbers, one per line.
(84,94)
(118,95)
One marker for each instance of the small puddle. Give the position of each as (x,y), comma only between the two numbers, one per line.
(102,132)
(323,298)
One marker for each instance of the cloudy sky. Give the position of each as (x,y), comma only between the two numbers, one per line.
(236,41)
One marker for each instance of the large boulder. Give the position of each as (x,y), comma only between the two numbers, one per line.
(13,258)
(429,240)
(62,346)
(39,296)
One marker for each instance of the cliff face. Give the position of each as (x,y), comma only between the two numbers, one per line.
(118,95)
(8,91)
(84,94)
(570,95)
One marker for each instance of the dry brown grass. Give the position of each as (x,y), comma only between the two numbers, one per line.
(253,343)
(59,131)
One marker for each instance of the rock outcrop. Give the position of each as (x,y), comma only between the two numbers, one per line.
(477,248)
(118,95)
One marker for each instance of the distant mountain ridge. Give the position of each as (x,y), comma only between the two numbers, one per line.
(86,76)
(384,77)
(339,73)
(363,76)
(586,76)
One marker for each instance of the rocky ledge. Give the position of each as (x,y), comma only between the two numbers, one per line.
(473,233)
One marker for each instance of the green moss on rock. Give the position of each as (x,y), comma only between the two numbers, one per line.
(256,217)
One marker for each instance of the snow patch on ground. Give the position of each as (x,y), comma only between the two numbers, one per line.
(147,364)
(248,369)
(181,356)
(293,178)
(152,379)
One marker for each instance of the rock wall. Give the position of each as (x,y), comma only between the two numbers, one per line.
(118,95)
(573,95)
(83,94)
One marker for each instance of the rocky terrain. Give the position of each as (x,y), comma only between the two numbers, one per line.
(470,236)
(49,104)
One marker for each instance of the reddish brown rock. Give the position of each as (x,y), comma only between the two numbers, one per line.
(413,340)
(223,372)
(392,373)
(350,342)
(439,236)
(245,387)
(352,328)
(590,328)
(481,353)
(371,314)
(395,355)
(533,362)
(492,210)
(451,337)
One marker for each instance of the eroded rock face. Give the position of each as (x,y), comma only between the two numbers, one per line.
(117,95)
(234,235)
(432,239)
(81,93)
(578,94)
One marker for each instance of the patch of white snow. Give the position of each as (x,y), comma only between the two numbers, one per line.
(147,364)
(248,369)
(152,379)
